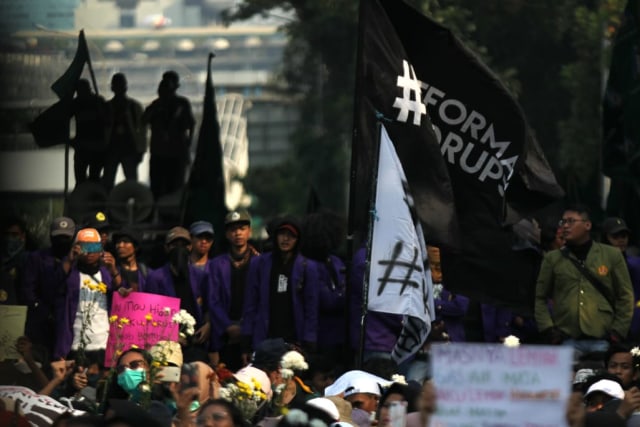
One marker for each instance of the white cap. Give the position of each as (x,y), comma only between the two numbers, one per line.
(355,381)
(325,405)
(608,387)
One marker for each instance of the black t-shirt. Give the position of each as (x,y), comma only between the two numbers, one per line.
(238,284)
(280,300)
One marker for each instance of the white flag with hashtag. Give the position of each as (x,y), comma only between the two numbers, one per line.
(399,282)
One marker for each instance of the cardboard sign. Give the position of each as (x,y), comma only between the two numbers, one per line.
(142,320)
(495,385)
(13,318)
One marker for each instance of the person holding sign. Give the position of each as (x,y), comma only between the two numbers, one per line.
(178,278)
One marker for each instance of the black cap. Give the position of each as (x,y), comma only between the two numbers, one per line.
(130,233)
(613,225)
(269,353)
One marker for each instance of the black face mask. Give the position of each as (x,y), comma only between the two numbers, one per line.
(60,246)
(179,261)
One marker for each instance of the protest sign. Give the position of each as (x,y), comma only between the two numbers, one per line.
(491,384)
(11,328)
(142,320)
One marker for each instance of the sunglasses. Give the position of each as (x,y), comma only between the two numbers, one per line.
(132,365)
(215,416)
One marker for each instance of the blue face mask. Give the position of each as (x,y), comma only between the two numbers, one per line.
(171,404)
(130,379)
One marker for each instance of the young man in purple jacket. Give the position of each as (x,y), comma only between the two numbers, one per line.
(228,274)
(281,299)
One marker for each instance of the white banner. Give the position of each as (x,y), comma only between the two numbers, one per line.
(399,282)
(40,410)
(494,385)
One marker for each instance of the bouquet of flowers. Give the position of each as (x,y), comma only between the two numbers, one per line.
(186,323)
(248,396)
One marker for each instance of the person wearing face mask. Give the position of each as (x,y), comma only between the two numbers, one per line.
(42,279)
(132,371)
(178,278)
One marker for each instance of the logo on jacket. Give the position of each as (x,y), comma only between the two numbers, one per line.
(603,270)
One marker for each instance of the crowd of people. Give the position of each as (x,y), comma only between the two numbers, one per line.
(113,133)
(276,324)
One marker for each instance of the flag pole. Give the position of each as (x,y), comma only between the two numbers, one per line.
(355,136)
(91,73)
(372,219)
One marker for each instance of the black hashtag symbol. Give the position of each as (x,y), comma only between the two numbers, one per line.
(395,262)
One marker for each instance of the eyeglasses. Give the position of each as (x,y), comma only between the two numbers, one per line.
(215,416)
(570,221)
(132,365)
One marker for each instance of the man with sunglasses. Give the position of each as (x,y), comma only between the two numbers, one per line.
(588,286)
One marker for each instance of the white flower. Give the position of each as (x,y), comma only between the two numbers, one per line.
(185,322)
(400,379)
(225,393)
(512,341)
(286,373)
(635,352)
(294,361)
(167,310)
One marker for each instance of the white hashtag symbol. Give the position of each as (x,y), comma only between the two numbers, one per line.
(408,82)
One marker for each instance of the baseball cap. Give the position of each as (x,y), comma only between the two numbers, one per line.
(62,226)
(89,240)
(356,381)
(613,225)
(201,227)
(608,387)
(129,233)
(237,217)
(98,221)
(325,405)
(177,233)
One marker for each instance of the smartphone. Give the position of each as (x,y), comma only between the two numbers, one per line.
(189,375)
(398,414)
(170,374)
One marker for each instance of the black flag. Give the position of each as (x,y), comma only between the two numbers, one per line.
(388,90)
(204,198)
(494,164)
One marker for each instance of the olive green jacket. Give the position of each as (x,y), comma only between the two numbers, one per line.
(567,300)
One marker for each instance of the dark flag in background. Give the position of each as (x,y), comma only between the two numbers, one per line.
(621,121)
(65,86)
(52,127)
(387,90)
(413,70)
(204,197)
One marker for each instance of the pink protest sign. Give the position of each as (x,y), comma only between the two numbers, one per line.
(142,320)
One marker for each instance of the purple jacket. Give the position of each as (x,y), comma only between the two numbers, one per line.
(451,309)
(381,329)
(219,269)
(42,282)
(496,322)
(633,264)
(67,308)
(331,321)
(160,282)
(304,278)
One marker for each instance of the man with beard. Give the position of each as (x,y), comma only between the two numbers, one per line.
(228,273)
(82,308)
(282,293)
(42,279)
(179,279)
